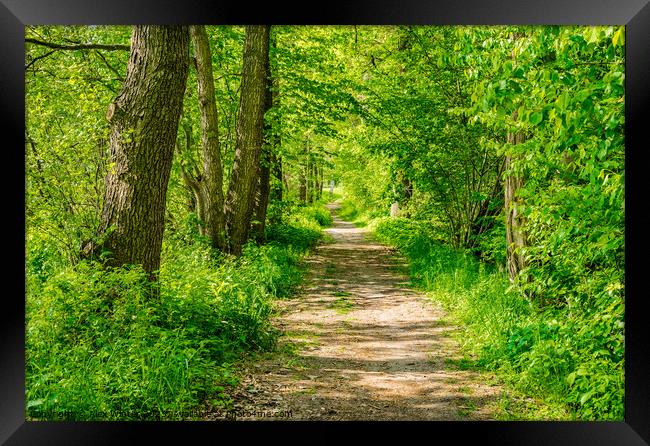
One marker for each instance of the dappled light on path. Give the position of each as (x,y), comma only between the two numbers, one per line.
(361,344)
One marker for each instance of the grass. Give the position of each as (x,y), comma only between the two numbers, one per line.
(467,408)
(99,348)
(341,305)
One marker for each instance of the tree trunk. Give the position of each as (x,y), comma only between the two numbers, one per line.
(320,187)
(210,183)
(144,121)
(515,235)
(310,182)
(264,177)
(248,142)
(303,184)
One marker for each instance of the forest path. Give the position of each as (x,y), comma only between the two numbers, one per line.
(360,344)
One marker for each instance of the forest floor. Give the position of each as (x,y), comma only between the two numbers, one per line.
(359,344)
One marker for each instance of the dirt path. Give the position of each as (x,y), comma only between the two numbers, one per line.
(360,345)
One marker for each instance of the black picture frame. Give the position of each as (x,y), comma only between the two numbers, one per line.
(15,14)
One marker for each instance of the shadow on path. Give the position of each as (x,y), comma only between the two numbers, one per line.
(360,344)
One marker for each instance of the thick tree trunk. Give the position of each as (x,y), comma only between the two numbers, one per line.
(144,121)
(248,145)
(210,184)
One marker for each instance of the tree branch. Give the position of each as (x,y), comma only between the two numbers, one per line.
(110,67)
(49,53)
(82,46)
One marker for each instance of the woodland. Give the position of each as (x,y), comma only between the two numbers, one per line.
(178,178)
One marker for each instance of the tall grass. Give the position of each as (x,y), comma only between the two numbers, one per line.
(99,348)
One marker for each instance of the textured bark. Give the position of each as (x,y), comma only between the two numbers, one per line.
(248,145)
(515,235)
(144,121)
(209,187)
(266,160)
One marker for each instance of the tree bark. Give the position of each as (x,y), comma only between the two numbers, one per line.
(515,235)
(144,122)
(210,183)
(248,143)
(266,162)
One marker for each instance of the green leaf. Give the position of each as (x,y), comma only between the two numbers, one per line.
(585,397)
(518,73)
(35,403)
(535,118)
(618,39)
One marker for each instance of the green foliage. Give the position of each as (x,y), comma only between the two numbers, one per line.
(318,213)
(296,225)
(567,356)
(99,347)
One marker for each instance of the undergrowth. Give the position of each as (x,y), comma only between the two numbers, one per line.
(98,347)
